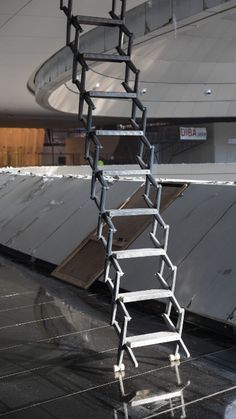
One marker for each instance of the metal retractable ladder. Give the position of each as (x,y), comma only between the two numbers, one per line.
(100,184)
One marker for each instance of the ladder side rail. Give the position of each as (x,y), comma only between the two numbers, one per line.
(155,241)
(129,351)
(145,141)
(124,32)
(113,7)
(115,264)
(145,161)
(127,66)
(166,237)
(115,293)
(68,27)
(124,309)
(163,242)
(120,354)
(158,199)
(103,198)
(136,82)
(89,119)
(82,90)
(103,241)
(151,157)
(143,146)
(141,162)
(111,231)
(162,281)
(75,61)
(123,9)
(155,203)
(75,23)
(144,120)
(92,140)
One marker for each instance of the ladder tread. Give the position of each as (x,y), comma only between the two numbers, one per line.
(118,132)
(105,57)
(152,294)
(126,212)
(137,253)
(151,339)
(139,172)
(111,95)
(139,400)
(98,21)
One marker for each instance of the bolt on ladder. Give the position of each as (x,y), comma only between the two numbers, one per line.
(100,184)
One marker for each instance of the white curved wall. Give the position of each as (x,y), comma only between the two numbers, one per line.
(177,68)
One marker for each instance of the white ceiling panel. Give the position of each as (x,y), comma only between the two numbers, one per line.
(4,19)
(12,6)
(43,27)
(42,8)
(28,45)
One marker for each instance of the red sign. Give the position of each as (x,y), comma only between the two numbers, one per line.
(190,133)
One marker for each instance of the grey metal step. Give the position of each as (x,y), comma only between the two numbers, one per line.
(154,294)
(151,339)
(139,172)
(126,212)
(118,132)
(98,21)
(138,253)
(140,400)
(111,95)
(105,57)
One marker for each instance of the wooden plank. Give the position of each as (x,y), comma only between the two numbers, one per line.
(86,263)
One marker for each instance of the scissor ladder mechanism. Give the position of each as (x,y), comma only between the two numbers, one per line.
(100,185)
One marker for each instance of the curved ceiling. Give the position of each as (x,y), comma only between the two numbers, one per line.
(176,69)
(189,71)
(30,32)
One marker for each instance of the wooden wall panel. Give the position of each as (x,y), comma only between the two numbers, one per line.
(21,146)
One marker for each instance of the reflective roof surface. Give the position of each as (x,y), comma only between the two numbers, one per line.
(58,350)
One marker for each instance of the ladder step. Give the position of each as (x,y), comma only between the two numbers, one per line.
(132,211)
(98,21)
(138,253)
(140,400)
(119,132)
(154,294)
(152,339)
(117,173)
(105,57)
(112,95)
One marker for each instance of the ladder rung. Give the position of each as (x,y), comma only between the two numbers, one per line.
(99,21)
(142,172)
(138,253)
(112,95)
(152,339)
(126,212)
(140,401)
(154,294)
(119,132)
(105,57)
